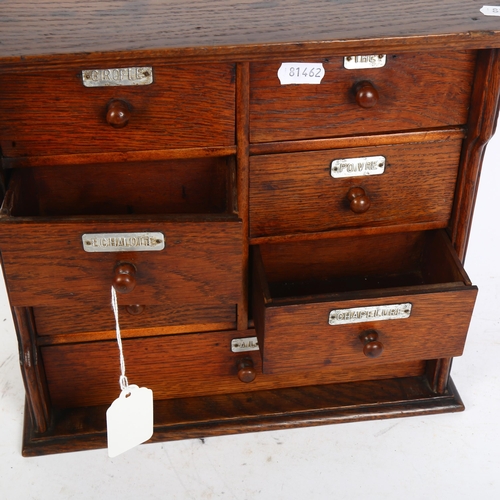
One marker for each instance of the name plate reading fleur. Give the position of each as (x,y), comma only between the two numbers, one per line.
(365,314)
(245,345)
(357,167)
(116,77)
(123,242)
(365,62)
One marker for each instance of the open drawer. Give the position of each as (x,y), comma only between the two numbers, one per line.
(166,231)
(360,301)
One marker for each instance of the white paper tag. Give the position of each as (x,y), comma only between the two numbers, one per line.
(490,10)
(129,419)
(301,73)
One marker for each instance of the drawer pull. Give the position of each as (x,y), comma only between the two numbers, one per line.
(366,94)
(372,347)
(118,114)
(359,201)
(246,370)
(135,309)
(124,279)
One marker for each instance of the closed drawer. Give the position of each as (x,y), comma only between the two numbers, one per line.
(415,90)
(360,301)
(296,192)
(90,322)
(179,366)
(185,106)
(45,263)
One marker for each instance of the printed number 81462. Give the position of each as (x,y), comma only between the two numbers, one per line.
(301,73)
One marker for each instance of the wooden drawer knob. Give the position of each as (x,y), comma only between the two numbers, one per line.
(358,200)
(246,370)
(372,347)
(124,279)
(118,114)
(366,94)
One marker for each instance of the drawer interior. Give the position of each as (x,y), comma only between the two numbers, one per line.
(322,267)
(186,186)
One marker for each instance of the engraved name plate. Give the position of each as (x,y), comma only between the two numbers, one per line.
(245,345)
(123,242)
(357,167)
(365,314)
(115,77)
(365,62)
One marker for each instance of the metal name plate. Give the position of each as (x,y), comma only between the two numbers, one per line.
(365,314)
(365,62)
(115,77)
(357,167)
(123,242)
(245,345)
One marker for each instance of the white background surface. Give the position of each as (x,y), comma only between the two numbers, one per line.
(451,456)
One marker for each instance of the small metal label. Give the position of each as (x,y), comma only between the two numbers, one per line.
(365,62)
(245,345)
(365,314)
(123,242)
(357,167)
(115,77)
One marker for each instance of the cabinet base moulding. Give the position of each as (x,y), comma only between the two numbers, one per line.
(191,418)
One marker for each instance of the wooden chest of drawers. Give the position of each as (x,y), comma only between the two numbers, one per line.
(287,250)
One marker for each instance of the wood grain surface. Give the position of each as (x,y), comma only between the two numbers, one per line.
(416,90)
(203,28)
(246,161)
(178,366)
(189,418)
(45,264)
(53,113)
(424,269)
(437,328)
(189,186)
(71,324)
(295,192)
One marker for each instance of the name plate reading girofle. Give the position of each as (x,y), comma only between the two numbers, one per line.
(365,62)
(123,242)
(116,77)
(357,167)
(372,313)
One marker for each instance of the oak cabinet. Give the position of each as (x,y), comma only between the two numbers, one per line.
(284,213)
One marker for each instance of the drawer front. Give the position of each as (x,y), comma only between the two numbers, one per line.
(415,90)
(437,328)
(296,192)
(185,106)
(89,321)
(45,263)
(177,366)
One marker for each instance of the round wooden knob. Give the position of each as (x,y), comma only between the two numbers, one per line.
(366,94)
(118,114)
(372,347)
(246,370)
(135,309)
(359,201)
(124,279)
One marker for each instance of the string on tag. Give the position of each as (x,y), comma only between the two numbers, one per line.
(114,305)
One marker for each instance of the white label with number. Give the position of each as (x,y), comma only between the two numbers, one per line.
(490,10)
(301,73)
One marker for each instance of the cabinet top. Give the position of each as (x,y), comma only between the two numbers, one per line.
(238,29)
